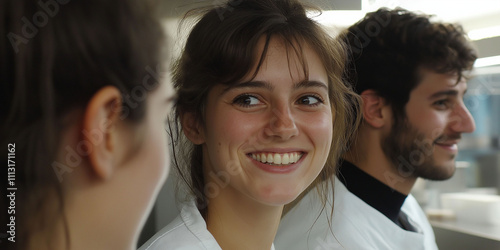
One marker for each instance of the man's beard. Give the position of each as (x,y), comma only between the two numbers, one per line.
(413,154)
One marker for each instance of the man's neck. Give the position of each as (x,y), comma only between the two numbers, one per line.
(373,161)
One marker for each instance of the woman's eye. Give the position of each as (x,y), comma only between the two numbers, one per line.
(246,100)
(310,100)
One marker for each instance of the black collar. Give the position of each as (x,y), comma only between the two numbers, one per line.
(373,192)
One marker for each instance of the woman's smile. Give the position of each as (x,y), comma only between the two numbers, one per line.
(277,159)
(262,125)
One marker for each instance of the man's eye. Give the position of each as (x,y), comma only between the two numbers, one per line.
(442,104)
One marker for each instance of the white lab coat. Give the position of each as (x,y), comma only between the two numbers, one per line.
(186,232)
(355,225)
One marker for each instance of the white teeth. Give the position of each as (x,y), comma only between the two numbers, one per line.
(277,159)
(269,159)
(294,157)
(286,159)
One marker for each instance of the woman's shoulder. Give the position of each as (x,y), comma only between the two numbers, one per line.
(175,235)
(186,232)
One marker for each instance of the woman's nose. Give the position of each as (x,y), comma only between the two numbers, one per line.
(282,123)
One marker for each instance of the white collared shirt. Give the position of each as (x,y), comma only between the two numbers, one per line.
(355,225)
(186,232)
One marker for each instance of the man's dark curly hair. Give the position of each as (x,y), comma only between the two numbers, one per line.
(389,47)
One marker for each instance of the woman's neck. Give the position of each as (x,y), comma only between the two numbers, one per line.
(89,221)
(239,222)
(95,222)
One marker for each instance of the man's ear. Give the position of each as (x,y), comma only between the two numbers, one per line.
(101,117)
(192,128)
(375,110)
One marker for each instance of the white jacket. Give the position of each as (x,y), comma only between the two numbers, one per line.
(355,225)
(186,232)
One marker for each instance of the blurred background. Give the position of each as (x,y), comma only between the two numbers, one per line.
(465,210)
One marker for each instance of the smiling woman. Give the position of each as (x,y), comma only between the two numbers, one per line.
(263,113)
(275,118)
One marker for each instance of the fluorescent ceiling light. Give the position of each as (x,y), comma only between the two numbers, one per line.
(484,33)
(461,11)
(487,61)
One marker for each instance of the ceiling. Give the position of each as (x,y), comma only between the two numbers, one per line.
(474,15)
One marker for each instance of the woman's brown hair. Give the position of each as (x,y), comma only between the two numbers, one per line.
(55,55)
(221,49)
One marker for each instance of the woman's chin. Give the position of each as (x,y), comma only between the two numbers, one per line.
(279,199)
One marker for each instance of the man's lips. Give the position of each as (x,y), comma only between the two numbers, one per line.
(448,140)
(447,143)
(450,146)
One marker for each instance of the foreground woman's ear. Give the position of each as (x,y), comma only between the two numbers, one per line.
(101,117)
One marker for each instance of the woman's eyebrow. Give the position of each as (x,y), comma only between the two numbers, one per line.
(308,84)
(250,84)
(266,85)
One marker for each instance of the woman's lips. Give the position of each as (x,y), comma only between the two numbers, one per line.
(279,163)
(277,158)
